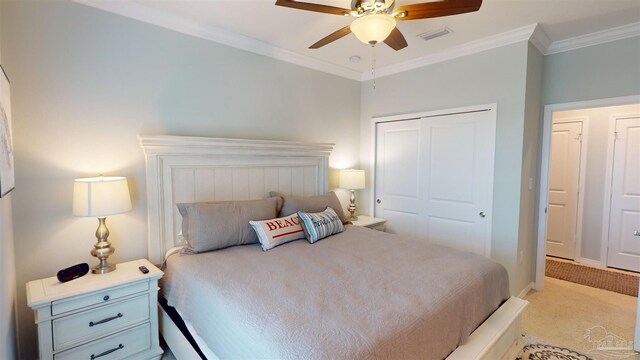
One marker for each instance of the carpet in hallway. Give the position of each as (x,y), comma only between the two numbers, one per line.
(616,281)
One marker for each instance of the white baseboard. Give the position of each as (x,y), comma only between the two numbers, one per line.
(590,262)
(526,290)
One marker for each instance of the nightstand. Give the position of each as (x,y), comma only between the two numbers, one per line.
(98,316)
(371,222)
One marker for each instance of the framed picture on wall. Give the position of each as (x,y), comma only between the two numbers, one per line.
(7,178)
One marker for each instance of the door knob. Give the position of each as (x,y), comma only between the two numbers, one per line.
(636,233)
(482,214)
(379,201)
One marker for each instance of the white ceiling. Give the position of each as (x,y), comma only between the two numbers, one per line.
(278,28)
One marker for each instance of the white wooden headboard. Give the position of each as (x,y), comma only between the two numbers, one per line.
(191,169)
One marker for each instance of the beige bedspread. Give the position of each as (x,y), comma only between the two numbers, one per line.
(361,294)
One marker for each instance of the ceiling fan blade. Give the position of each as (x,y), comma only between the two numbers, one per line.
(313,7)
(437,9)
(396,40)
(332,37)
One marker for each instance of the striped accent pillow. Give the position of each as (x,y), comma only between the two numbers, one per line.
(320,225)
(274,232)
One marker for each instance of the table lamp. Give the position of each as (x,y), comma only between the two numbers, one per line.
(353,180)
(100,197)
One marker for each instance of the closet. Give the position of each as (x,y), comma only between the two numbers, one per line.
(434,176)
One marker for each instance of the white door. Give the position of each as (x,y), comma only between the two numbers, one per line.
(398,153)
(624,220)
(564,179)
(436,181)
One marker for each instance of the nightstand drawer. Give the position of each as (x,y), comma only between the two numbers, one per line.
(115,347)
(62,306)
(87,325)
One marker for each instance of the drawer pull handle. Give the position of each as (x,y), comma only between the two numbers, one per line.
(93,356)
(106,298)
(105,320)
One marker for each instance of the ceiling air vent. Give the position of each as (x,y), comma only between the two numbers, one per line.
(434,34)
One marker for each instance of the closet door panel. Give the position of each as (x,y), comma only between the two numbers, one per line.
(458,176)
(398,187)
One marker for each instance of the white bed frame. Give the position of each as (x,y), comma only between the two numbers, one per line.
(190,169)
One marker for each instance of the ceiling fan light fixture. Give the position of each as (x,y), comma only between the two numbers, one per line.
(374,28)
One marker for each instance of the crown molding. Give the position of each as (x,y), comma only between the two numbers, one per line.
(491,42)
(533,33)
(599,37)
(540,39)
(149,15)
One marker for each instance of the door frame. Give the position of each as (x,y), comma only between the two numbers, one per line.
(581,179)
(545,153)
(493,107)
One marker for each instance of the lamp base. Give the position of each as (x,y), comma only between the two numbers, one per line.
(102,249)
(352,206)
(99,269)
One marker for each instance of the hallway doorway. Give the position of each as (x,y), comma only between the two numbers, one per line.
(589,207)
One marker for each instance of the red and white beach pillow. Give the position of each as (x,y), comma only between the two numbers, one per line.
(274,232)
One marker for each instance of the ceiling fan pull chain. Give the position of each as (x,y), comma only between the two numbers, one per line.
(373,66)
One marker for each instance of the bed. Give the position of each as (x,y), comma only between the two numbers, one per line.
(357,294)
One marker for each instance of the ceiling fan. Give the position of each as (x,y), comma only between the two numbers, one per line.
(376,19)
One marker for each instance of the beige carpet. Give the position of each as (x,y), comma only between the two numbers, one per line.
(612,280)
(550,352)
(577,316)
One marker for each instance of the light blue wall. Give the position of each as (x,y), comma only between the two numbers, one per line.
(7,270)
(596,72)
(86,83)
(7,282)
(493,76)
(529,196)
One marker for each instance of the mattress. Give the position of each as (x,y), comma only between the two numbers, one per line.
(360,294)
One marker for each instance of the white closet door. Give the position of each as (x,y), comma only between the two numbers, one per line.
(624,220)
(458,178)
(564,183)
(398,184)
(436,181)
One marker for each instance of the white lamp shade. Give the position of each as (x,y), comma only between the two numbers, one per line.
(373,28)
(101,196)
(352,179)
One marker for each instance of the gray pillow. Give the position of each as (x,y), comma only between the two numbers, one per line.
(280,200)
(312,204)
(216,225)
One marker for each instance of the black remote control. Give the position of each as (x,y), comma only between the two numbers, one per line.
(143,269)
